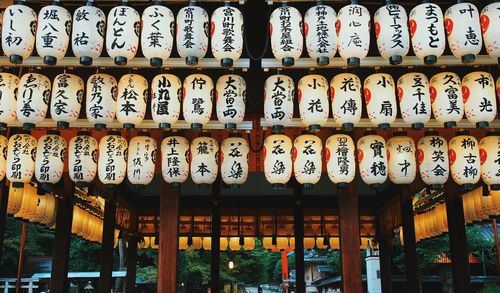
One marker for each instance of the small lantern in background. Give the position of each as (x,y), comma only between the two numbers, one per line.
(446,98)
(141,159)
(227,34)
(18,32)
(158,23)
(478,92)
(391,31)
(166,92)
(414,99)
(277,153)
(427,31)
(313,101)
(175,160)
(285,29)
(204,167)
(380,99)
(112,163)
(101,99)
(234,160)
(21,153)
(3,156)
(82,158)
(278,101)
(372,159)
(401,159)
(320,33)
(122,35)
(67,96)
(353,31)
(340,160)
(33,99)
(9,87)
(230,96)
(49,163)
(52,35)
(345,92)
(132,100)
(89,23)
(192,33)
(307,159)
(465,164)
(197,100)
(433,163)
(489,154)
(490,21)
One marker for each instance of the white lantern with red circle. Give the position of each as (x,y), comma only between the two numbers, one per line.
(234,160)
(87,37)
(380,98)
(320,32)
(67,96)
(427,32)
(401,159)
(82,158)
(278,101)
(340,159)
(465,164)
(122,34)
(141,159)
(175,160)
(18,32)
(192,33)
(391,31)
(112,163)
(285,27)
(313,101)
(478,91)
(166,92)
(33,99)
(157,34)
(230,96)
(414,99)
(52,34)
(277,153)
(3,156)
(227,34)
(132,100)
(345,92)
(101,99)
(307,164)
(353,31)
(490,21)
(50,157)
(433,163)
(489,153)
(21,153)
(372,159)
(9,87)
(204,152)
(446,98)
(197,100)
(463,31)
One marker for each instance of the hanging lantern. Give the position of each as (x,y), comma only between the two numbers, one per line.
(278,101)
(101,99)
(67,96)
(204,152)
(51,154)
(490,20)
(478,91)
(307,164)
(340,161)
(334,243)
(278,160)
(463,153)
(313,101)
(446,98)
(414,99)
(321,42)
(345,92)
(18,32)
(227,35)
(9,84)
(207,243)
(21,153)
(285,29)
(234,243)
(132,100)
(197,243)
(175,160)
(234,160)
(309,243)
(192,33)
(87,38)
(282,243)
(166,92)
(230,96)
(33,99)
(401,159)
(249,243)
(267,243)
(353,31)
(29,203)
(122,35)
(391,31)
(3,156)
(52,34)
(223,244)
(433,162)
(141,159)
(112,163)
(380,99)
(427,31)
(15,199)
(183,243)
(197,100)
(82,161)
(489,153)
(372,159)
(157,33)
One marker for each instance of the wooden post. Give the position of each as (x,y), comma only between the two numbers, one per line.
(298,226)
(21,258)
(216,233)
(131,265)
(108,239)
(4,200)
(410,244)
(384,249)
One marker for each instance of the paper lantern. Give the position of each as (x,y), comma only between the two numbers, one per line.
(132,100)
(433,163)
(391,31)
(489,153)
(18,32)
(478,91)
(334,243)
(278,159)
(157,34)
(29,203)
(313,101)
(175,160)
(401,159)
(82,161)
(340,161)
(309,243)
(345,92)
(463,31)
(285,29)
(204,152)
(414,99)
(141,159)
(282,243)
(166,92)
(207,243)
(9,86)
(372,159)
(15,199)
(21,153)
(320,33)
(66,101)
(230,96)
(3,156)
(320,243)
(87,38)
(353,31)
(101,99)
(223,244)
(227,35)
(52,34)
(307,163)
(197,243)
(463,153)
(183,243)
(33,99)
(112,163)
(234,243)
(278,101)
(427,32)
(490,21)
(192,33)
(446,98)
(380,99)
(197,100)
(234,160)
(122,34)
(249,243)
(51,154)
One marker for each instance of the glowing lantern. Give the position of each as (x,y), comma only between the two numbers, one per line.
(372,160)
(267,243)
(122,35)
(204,152)
(489,152)
(446,98)
(227,35)
(340,161)
(28,204)
(87,37)
(175,160)
(313,101)
(21,153)
(9,84)
(334,243)
(414,99)
(197,243)
(309,243)
(234,160)
(427,32)
(391,31)
(320,243)
(166,91)
(433,162)
(285,27)
(321,40)
(463,153)
(18,33)
(278,101)
(52,35)
(234,243)
(307,155)
(277,159)
(3,156)
(207,243)
(345,92)
(192,33)
(82,161)
(101,99)
(67,96)
(15,199)
(51,154)
(223,244)
(157,40)
(112,163)
(132,100)
(353,31)
(33,99)
(478,91)
(380,99)
(141,159)
(197,100)
(249,243)
(401,159)
(490,21)
(282,243)
(230,96)
(183,243)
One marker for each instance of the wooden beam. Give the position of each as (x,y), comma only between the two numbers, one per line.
(4,200)
(298,226)
(108,239)
(410,244)
(131,265)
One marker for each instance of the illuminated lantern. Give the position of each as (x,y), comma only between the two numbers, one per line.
(132,100)
(67,96)
(141,159)
(433,163)
(321,36)
(15,199)
(192,33)
(249,243)
(345,92)
(87,37)
(223,244)
(9,85)
(112,163)
(320,243)
(285,28)
(82,161)
(446,98)
(122,35)
(478,91)
(3,156)
(52,34)
(380,99)
(282,243)
(29,203)
(207,243)
(353,40)
(227,35)
(234,160)
(307,163)
(313,101)
(183,243)
(391,31)
(234,243)
(157,33)
(230,96)
(490,21)
(463,153)
(175,160)
(18,33)
(401,159)
(278,159)
(309,243)
(489,153)
(197,100)
(334,243)
(340,161)
(33,99)
(166,92)
(414,99)
(372,159)
(463,31)
(204,152)
(51,154)
(101,99)
(21,153)
(427,31)
(197,243)
(278,101)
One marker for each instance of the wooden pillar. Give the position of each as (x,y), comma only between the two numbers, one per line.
(4,200)
(131,265)
(410,245)
(298,226)
(108,239)
(384,249)
(216,233)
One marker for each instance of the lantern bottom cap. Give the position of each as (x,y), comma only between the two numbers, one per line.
(277,129)
(121,61)
(468,58)
(288,61)
(128,126)
(482,124)
(3,125)
(417,126)
(435,186)
(28,126)
(196,126)
(384,126)
(277,186)
(308,186)
(100,126)
(165,125)
(342,185)
(230,126)
(430,59)
(41,190)
(86,61)
(375,186)
(62,125)
(450,124)
(322,61)
(156,62)
(348,127)
(353,62)
(234,186)
(50,60)
(18,184)
(111,186)
(467,186)
(175,185)
(16,59)
(495,186)
(81,184)
(191,60)
(226,62)
(396,59)
(314,127)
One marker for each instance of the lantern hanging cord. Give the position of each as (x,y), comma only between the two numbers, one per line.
(266,44)
(260,147)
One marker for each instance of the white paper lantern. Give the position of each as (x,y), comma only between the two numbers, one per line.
(166,92)
(132,100)
(490,21)
(320,32)
(446,98)
(478,91)
(101,99)
(50,157)
(307,164)
(3,156)
(489,154)
(227,35)
(197,100)
(122,34)
(278,159)
(18,32)
(463,31)
(353,31)
(192,33)
(463,152)
(9,86)
(175,160)
(33,99)
(401,159)
(380,98)
(433,163)
(345,92)
(21,153)
(391,31)
(372,159)
(87,38)
(313,101)
(285,28)
(230,96)
(66,101)
(427,32)
(414,99)
(82,159)
(112,163)
(52,34)
(278,101)
(157,35)
(141,160)
(234,160)
(340,160)
(204,166)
